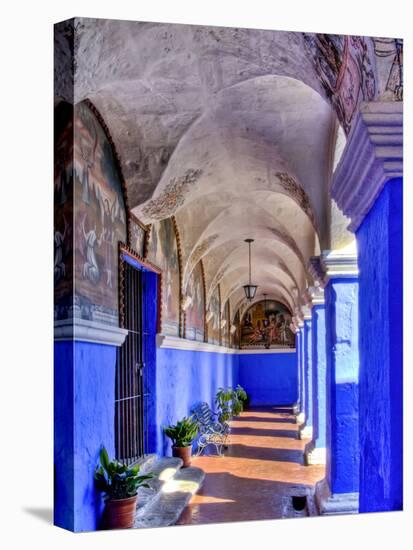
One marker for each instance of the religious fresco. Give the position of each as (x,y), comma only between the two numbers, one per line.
(391,51)
(194,315)
(99,220)
(137,236)
(266,324)
(63,211)
(235,331)
(344,68)
(226,325)
(213,311)
(163,252)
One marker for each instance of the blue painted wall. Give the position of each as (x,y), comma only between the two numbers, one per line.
(379,241)
(84,381)
(269,378)
(185,378)
(343,452)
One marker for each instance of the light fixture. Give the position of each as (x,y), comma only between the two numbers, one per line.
(250,289)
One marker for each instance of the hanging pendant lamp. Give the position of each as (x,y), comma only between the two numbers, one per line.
(249,289)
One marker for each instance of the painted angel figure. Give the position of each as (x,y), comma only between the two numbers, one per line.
(90,267)
(108,234)
(59,264)
(87,151)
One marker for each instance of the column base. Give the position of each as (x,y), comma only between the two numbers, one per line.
(305,432)
(300,418)
(296,409)
(315,455)
(335,504)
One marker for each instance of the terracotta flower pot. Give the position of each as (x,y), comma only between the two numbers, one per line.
(183,452)
(120,514)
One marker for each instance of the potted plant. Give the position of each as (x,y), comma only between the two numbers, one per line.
(223,401)
(182,434)
(230,402)
(120,484)
(242,396)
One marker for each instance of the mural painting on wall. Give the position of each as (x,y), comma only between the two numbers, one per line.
(137,236)
(194,315)
(163,252)
(226,325)
(235,331)
(213,317)
(63,211)
(345,71)
(267,324)
(100,220)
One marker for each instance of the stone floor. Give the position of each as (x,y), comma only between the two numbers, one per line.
(263,468)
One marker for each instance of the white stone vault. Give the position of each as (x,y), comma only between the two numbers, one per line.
(231,131)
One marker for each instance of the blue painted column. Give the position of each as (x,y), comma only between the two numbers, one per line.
(296,406)
(315,451)
(368,187)
(343,451)
(306,429)
(380,244)
(300,417)
(84,391)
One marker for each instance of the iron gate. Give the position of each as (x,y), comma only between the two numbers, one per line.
(129,392)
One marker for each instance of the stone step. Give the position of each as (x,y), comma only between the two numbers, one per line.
(174,494)
(164,469)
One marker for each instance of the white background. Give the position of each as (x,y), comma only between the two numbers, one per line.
(26,271)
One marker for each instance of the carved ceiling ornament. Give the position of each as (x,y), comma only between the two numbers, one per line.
(172,197)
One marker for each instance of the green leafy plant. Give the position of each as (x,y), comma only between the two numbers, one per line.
(117,480)
(223,401)
(183,432)
(242,395)
(230,402)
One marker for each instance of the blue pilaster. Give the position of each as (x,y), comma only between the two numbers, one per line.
(319,376)
(308,377)
(300,359)
(343,452)
(315,450)
(299,382)
(84,380)
(380,245)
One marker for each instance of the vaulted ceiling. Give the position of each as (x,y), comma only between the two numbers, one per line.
(233,131)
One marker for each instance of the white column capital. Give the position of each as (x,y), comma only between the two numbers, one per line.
(307,312)
(340,263)
(373,155)
(317,295)
(298,322)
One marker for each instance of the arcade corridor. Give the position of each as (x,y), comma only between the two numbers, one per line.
(229,210)
(261,472)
